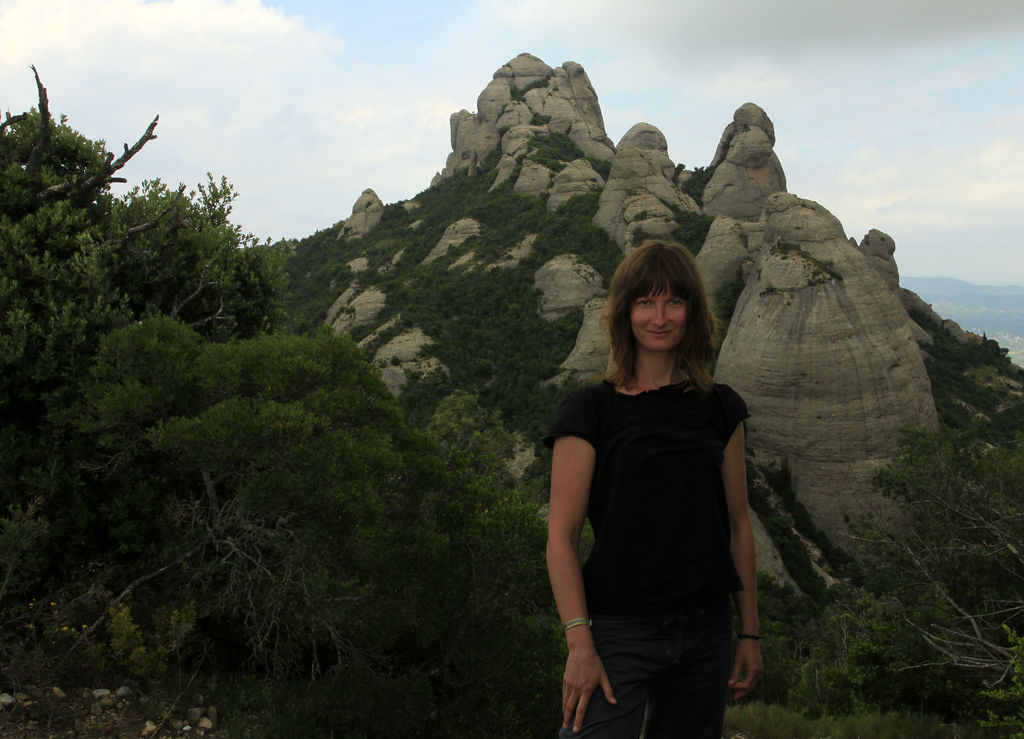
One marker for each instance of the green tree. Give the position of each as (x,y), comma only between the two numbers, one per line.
(75,264)
(954,561)
(188,261)
(862,654)
(56,296)
(177,479)
(473,439)
(317,534)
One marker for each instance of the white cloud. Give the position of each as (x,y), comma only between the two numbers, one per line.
(753,27)
(945,185)
(953,210)
(242,91)
(889,116)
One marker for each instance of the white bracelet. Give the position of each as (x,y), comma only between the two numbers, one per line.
(574,622)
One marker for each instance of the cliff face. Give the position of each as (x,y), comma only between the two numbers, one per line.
(820,343)
(823,351)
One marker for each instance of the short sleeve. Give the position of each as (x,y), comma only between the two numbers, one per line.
(734,409)
(576,416)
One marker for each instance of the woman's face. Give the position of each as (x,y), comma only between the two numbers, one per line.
(658,322)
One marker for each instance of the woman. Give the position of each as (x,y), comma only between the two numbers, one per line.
(654,456)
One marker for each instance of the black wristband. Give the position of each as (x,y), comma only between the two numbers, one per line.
(755,637)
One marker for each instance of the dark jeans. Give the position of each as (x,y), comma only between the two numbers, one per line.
(671,670)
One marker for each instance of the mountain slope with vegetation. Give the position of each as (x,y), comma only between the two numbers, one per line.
(484,320)
(967,382)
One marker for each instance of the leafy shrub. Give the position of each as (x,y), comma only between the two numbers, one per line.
(553,150)
(791,549)
(822,270)
(313,522)
(520,94)
(602,166)
(694,186)
(143,654)
(965,381)
(691,229)
(1011,698)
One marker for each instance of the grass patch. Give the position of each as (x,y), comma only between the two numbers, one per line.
(759,721)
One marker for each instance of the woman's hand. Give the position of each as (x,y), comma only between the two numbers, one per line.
(584,674)
(746,666)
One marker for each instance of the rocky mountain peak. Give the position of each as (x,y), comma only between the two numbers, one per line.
(526,98)
(746,168)
(820,343)
(879,248)
(645,136)
(642,196)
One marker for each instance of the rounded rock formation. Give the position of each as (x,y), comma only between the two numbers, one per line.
(565,282)
(366,213)
(823,353)
(747,170)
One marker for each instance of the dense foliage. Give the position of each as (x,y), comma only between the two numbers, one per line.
(321,534)
(183,490)
(955,563)
(78,263)
(927,618)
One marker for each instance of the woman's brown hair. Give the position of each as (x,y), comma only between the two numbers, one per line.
(654,268)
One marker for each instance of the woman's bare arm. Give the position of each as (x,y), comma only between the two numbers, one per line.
(572,469)
(747,664)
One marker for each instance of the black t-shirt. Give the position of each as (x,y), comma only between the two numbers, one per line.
(657,501)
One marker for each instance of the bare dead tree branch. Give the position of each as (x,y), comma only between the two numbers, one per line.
(964,644)
(111,463)
(203,284)
(43,141)
(110,166)
(218,316)
(35,158)
(139,581)
(10,120)
(964,650)
(210,486)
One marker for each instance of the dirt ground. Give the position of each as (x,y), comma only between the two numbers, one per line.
(41,714)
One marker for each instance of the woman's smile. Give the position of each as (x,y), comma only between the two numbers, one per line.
(658,321)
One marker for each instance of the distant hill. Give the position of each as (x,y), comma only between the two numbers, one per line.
(995,311)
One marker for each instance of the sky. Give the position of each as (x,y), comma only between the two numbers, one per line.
(901,115)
